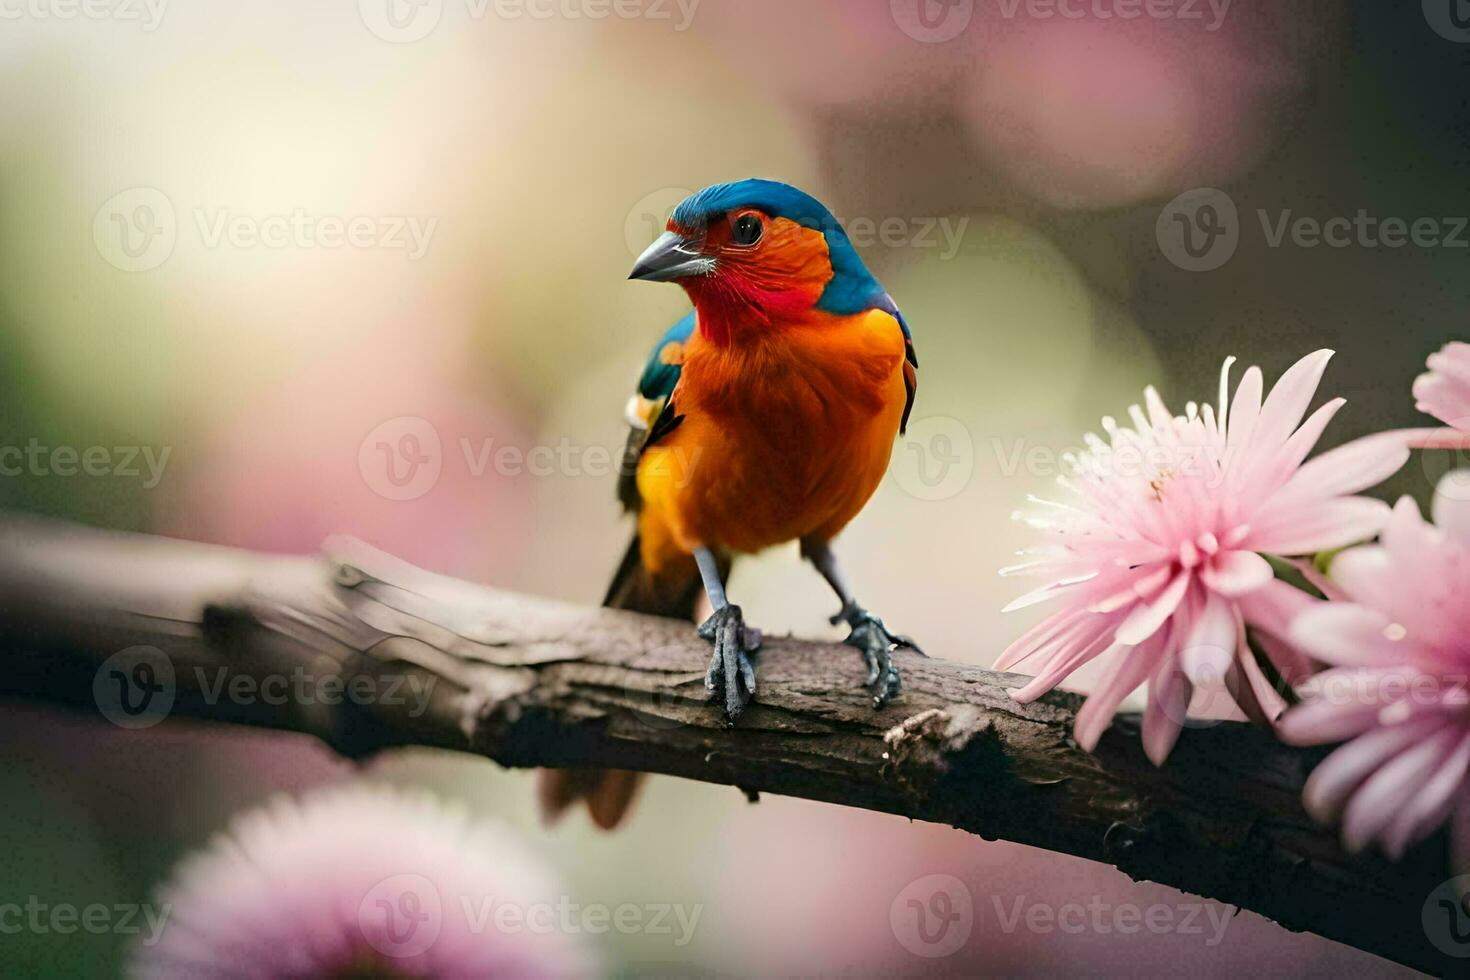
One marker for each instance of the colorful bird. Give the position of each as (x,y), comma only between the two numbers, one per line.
(766,415)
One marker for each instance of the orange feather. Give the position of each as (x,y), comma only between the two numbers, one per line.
(786,433)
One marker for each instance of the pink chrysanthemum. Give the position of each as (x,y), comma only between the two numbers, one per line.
(359,882)
(1400,651)
(1157,553)
(1444,392)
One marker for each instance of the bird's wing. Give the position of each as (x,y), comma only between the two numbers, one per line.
(910,360)
(650,412)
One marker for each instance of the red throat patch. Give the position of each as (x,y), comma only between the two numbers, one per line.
(759,287)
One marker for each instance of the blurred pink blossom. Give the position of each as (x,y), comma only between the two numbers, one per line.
(1155,552)
(1081,105)
(1105,112)
(358,881)
(862,893)
(392,450)
(1397,688)
(1444,392)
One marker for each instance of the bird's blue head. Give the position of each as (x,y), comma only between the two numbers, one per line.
(763,247)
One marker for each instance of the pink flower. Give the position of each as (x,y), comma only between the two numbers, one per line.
(361,882)
(1444,392)
(1156,553)
(1397,690)
(1098,112)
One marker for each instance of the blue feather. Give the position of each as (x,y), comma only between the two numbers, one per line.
(658,379)
(852,288)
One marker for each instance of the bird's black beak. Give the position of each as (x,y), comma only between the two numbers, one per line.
(672,257)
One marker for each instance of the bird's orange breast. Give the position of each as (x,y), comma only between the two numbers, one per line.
(784,436)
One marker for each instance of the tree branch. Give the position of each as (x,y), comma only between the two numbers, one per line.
(367,652)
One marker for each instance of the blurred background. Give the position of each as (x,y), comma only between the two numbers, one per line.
(244,247)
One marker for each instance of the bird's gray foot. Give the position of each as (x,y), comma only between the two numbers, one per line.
(731,674)
(876,644)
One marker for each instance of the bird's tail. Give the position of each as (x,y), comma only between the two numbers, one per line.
(674,592)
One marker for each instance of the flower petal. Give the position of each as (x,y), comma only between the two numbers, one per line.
(1347,469)
(1304,439)
(1431,804)
(1274,607)
(1407,533)
(1292,665)
(1318,526)
(1048,591)
(1332,782)
(1061,665)
(1444,391)
(1288,401)
(1234,573)
(1382,795)
(1326,721)
(1145,587)
(1245,409)
(1441,438)
(1452,361)
(1146,618)
(1127,672)
(1349,635)
(1169,692)
(1038,636)
(1208,648)
(1364,574)
(1253,690)
(1451,506)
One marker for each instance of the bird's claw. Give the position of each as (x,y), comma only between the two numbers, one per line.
(876,644)
(730,667)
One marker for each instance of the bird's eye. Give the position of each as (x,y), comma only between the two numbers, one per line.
(747,230)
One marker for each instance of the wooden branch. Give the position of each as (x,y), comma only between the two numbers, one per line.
(531,682)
